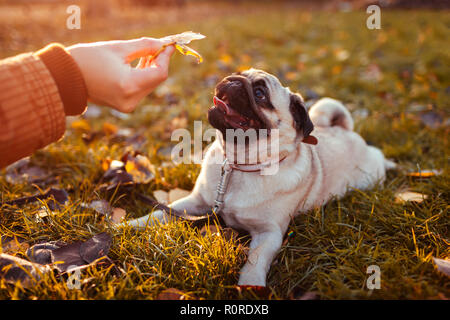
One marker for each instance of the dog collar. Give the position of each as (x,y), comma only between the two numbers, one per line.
(227,169)
(255,167)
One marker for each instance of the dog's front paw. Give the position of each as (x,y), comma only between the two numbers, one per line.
(156,217)
(252,278)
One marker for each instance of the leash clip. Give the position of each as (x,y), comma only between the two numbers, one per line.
(222,185)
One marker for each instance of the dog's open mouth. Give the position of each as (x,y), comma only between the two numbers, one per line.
(233,118)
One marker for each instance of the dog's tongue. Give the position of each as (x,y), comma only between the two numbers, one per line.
(221,105)
(231,116)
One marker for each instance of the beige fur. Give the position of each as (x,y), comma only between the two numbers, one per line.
(310,175)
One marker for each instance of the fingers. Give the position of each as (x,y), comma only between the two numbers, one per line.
(163,59)
(142,47)
(140,82)
(154,71)
(143,62)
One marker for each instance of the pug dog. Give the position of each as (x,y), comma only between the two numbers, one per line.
(311,169)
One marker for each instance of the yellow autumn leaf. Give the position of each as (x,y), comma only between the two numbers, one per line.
(80,125)
(291,75)
(424,173)
(226,59)
(140,169)
(187,51)
(185,37)
(409,196)
(180,42)
(336,69)
(109,128)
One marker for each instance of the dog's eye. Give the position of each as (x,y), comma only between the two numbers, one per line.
(259,94)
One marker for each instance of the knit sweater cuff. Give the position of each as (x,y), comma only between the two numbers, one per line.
(68,77)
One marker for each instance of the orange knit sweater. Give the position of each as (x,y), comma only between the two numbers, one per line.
(37,91)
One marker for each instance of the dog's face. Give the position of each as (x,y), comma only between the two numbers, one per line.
(255,99)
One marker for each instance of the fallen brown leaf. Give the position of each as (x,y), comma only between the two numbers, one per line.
(109,128)
(171,294)
(81,125)
(101,206)
(210,229)
(442,265)
(177,193)
(161,196)
(117,215)
(260,291)
(11,245)
(96,247)
(23,171)
(79,253)
(425,173)
(57,197)
(409,196)
(14,269)
(230,234)
(431,119)
(42,252)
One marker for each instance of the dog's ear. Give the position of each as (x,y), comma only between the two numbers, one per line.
(302,122)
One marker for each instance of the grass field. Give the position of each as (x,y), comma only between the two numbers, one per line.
(395,81)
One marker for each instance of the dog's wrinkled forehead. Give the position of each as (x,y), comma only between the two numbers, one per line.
(255,75)
(279,95)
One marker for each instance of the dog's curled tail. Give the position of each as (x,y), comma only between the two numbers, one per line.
(328,112)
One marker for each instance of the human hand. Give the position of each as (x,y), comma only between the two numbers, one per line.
(109,77)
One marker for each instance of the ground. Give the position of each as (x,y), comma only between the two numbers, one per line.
(395,81)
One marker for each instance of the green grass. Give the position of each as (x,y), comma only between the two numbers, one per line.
(321,53)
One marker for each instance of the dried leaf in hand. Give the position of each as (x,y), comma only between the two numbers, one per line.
(188,51)
(410,196)
(442,265)
(185,37)
(180,41)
